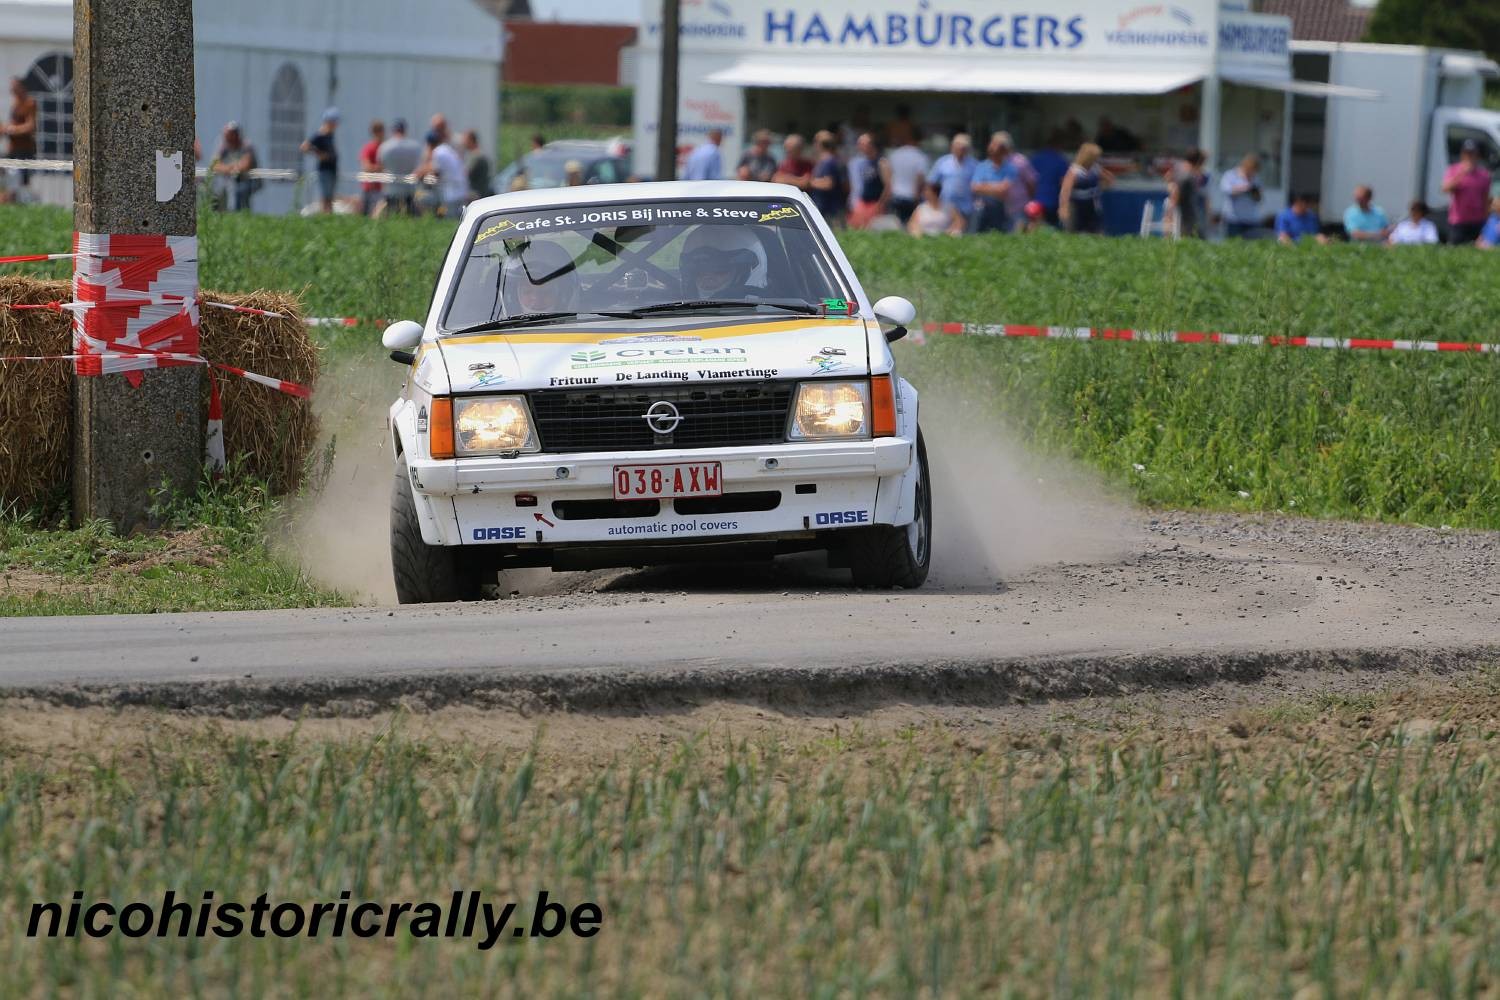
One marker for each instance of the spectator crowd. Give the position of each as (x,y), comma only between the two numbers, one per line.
(858,177)
(397,173)
(868,179)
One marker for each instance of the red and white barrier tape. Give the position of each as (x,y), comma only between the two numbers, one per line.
(135,307)
(135,302)
(27,258)
(30,258)
(213,438)
(1193,337)
(159,359)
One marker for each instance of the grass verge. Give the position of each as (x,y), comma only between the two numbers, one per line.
(213,554)
(1340,846)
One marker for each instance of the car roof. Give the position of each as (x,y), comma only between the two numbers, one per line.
(595,194)
(575,145)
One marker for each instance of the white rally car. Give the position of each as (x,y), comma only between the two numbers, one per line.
(621,375)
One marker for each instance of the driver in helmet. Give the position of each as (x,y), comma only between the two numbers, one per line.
(723,262)
(539,277)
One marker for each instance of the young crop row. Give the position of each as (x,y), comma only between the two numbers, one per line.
(1125,864)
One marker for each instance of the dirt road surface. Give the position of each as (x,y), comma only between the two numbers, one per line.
(1172,600)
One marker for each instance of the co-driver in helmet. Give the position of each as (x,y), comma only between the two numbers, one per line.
(723,262)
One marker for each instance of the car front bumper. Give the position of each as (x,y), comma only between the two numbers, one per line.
(526,500)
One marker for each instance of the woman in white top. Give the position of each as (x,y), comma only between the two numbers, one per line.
(933,216)
(1415,228)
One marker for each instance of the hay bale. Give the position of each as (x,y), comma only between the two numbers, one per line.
(36,401)
(267,434)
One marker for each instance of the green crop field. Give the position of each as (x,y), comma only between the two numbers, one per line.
(1395,436)
(1407,437)
(1339,847)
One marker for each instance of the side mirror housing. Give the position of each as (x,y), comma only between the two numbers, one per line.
(401,339)
(897,313)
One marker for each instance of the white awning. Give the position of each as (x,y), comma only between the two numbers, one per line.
(1305,88)
(1458,64)
(996,76)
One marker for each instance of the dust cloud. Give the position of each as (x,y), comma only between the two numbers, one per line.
(340,528)
(999,511)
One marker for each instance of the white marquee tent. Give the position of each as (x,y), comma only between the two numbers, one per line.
(274,65)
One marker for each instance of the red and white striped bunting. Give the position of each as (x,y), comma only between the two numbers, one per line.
(1197,337)
(159,359)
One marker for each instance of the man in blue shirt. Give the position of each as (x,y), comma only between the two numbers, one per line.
(704,163)
(1298,220)
(993,182)
(953,176)
(1241,189)
(1364,221)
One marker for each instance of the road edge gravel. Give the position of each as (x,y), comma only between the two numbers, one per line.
(838,691)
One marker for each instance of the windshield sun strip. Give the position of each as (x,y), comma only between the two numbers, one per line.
(465,246)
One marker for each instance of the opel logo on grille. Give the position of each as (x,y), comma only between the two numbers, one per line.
(662,417)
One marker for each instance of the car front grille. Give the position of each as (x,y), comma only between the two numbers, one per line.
(713,416)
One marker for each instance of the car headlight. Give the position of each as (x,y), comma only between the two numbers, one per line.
(487,425)
(831,410)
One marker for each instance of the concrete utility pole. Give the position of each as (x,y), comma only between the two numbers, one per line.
(133,97)
(666,114)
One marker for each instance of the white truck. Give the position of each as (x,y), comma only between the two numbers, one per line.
(1423,104)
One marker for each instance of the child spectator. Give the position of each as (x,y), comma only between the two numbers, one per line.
(933,216)
(369,162)
(1415,228)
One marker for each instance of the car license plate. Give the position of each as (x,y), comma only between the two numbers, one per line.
(688,479)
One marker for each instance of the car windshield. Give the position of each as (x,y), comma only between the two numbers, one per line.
(657,256)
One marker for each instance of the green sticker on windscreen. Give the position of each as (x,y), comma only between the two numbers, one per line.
(839,306)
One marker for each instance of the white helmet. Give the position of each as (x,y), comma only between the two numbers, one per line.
(717,257)
(539,277)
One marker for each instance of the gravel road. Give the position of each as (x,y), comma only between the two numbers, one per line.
(1173,599)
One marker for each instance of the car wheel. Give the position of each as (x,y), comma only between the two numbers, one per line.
(886,556)
(426,574)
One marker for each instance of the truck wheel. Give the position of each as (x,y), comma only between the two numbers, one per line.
(886,556)
(426,574)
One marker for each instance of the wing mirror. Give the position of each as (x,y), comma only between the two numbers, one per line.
(401,339)
(897,313)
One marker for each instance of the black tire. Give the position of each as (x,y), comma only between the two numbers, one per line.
(426,574)
(886,556)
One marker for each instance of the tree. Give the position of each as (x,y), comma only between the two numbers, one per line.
(1455,24)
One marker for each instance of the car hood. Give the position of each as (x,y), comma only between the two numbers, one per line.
(658,352)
